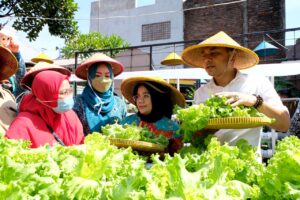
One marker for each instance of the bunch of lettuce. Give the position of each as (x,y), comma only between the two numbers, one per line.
(220,109)
(221,172)
(133,132)
(196,117)
(95,170)
(98,170)
(281,179)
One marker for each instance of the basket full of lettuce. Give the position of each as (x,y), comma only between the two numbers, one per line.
(216,114)
(138,138)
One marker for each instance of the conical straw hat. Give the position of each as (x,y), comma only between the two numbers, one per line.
(8,63)
(42,58)
(129,84)
(172,59)
(245,58)
(41,66)
(82,70)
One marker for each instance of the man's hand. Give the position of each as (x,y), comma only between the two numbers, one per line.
(203,133)
(237,98)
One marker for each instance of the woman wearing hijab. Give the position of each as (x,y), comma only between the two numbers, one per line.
(46,115)
(97,105)
(155,100)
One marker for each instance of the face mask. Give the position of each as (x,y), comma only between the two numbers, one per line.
(64,105)
(101,84)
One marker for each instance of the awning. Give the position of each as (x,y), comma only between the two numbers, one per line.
(186,73)
(287,68)
(278,69)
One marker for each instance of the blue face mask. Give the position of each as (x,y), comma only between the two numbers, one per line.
(64,105)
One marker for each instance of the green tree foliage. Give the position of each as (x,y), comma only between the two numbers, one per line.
(93,41)
(31,16)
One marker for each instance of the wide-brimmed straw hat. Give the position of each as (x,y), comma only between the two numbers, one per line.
(42,58)
(172,59)
(8,63)
(245,58)
(41,66)
(128,85)
(82,70)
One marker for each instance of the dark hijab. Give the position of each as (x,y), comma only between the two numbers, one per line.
(161,102)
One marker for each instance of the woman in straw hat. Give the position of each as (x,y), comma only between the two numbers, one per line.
(8,108)
(223,58)
(8,40)
(26,81)
(97,105)
(155,100)
(46,115)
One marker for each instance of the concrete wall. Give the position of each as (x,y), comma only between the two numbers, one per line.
(130,28)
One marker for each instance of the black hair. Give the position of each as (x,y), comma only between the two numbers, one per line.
(161,101)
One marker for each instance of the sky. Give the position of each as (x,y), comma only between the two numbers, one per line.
(42,43)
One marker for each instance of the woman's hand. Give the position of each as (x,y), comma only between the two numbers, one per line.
(14,46)
(237,98)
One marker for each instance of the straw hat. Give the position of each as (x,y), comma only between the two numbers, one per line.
(81,70)
(41,66)
(245,58)
(8,63)
(129,84)
(42,58)
(172,59)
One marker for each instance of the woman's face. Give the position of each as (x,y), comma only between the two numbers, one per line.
(143,101)
(102,70)
(4,40)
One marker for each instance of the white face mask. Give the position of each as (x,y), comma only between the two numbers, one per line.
(101,84)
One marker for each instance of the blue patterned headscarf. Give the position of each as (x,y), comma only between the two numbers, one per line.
(98,104)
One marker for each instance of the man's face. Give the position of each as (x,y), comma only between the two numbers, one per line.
(4,40)
(214,60)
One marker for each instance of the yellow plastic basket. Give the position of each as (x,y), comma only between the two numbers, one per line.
(238,122)
(137,145)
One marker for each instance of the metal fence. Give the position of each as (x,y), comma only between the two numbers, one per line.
(149,57)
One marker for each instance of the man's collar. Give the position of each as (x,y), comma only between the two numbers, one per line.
(237,75)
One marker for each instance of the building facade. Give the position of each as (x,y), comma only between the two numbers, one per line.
(204,18)
(141,23)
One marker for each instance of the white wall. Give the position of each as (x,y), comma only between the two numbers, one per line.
(130,28)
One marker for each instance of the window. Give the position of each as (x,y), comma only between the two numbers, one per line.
(141,3)
(156,31)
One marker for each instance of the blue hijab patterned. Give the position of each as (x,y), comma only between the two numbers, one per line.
(98,104)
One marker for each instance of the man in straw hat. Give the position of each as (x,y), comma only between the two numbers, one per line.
(223,58)
(8,108)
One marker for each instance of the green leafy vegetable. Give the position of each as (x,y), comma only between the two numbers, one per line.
(133,132)
(196,117)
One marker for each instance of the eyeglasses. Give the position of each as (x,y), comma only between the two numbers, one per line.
(66,91)
(143,97)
